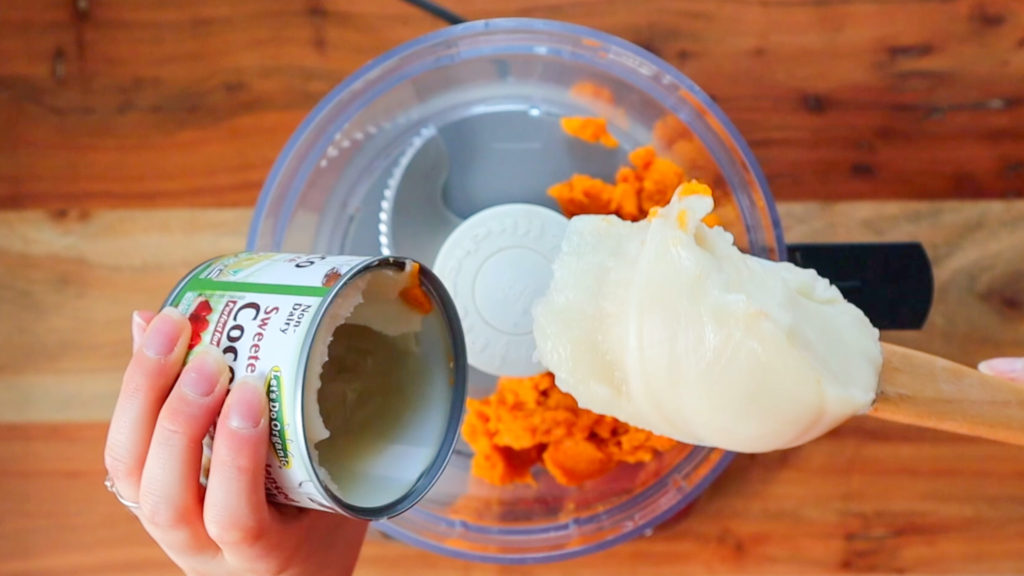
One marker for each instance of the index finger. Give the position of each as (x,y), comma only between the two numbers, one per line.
(148,379)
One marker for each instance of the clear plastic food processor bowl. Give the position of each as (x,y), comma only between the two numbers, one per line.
(466,118)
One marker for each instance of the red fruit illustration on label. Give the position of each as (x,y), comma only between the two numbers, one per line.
(199,321)
(331,278)
(203,307)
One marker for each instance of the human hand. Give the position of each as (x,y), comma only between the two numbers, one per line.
(1009,368)
(154,453)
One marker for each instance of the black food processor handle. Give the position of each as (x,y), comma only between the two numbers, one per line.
(891,282)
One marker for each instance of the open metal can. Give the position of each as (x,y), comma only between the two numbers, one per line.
(364,365)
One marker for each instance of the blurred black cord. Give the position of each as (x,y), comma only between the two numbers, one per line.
(438,11)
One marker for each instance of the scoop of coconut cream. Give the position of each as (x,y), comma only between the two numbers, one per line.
(666,325)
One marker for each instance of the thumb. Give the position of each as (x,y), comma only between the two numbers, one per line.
(1009,368)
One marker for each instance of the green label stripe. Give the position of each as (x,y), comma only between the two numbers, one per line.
(210,285)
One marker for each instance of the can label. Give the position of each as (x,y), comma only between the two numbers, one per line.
(258,309)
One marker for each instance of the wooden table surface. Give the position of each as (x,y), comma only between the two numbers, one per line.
(135,135)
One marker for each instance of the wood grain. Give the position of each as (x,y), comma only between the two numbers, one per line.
(171,106)
(71,280)
(924,390)
(79,274)
(142,103)
(871,497)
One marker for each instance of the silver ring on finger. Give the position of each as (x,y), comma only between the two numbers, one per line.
(109,483)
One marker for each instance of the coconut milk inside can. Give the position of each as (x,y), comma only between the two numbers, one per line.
(363,360)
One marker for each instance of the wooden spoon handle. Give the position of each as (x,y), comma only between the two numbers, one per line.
(924,390)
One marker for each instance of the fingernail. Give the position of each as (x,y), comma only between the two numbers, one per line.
(163,333)
(247,404)
(1005,367)
(204,372)
(138,329)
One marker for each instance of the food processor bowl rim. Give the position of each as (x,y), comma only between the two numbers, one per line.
(639,529)
(527,25)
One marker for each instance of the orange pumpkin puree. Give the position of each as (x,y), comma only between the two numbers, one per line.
(649,182)
(589,129)
(529,421)
(587,90)
(414,296)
